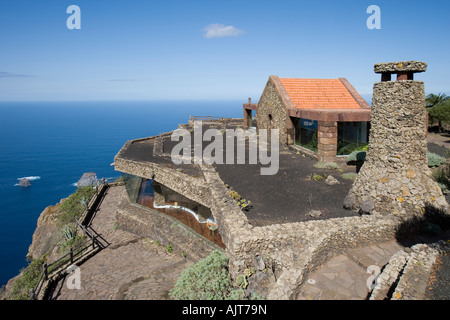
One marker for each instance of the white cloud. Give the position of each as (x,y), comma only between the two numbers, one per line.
(217,30)
(4,74)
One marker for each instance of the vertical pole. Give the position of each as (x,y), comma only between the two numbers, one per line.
(385,76)
(44,267)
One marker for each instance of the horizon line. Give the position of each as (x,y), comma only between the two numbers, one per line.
(121,100)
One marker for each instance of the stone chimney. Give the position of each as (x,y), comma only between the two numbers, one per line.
(394,178)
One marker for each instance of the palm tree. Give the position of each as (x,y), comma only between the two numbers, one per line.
(433,99)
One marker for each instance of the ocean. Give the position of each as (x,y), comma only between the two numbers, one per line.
(54,143)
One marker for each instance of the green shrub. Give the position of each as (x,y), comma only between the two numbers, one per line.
(69,231)
(243,203)
(444,188)
(439,175)
(233,194)
(327,165)
(357,156)
(434,160)
(207,279)
(74,206)
(75,242)
(349,175)
(318,177)
(27,281)
(241,281)
(348,149)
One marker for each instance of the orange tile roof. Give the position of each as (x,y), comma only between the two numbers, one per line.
(319,94)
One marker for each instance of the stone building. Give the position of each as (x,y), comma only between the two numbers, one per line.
(327,116)
(392,182)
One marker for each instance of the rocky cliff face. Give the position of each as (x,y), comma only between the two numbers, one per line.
(45,236)
(87,179)
(44,241)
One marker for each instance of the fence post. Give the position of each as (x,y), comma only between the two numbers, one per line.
(44,267)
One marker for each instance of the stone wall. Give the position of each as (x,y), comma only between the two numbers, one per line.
(395,177)
(406,275)
(271,105)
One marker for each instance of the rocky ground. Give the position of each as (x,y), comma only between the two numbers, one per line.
(289,196)
(439,282)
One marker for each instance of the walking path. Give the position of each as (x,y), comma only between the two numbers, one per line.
(442,139)
(130,267)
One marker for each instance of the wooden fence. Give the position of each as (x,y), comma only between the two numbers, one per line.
(215,119)
(55,271)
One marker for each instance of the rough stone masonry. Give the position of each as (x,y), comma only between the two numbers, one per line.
(395,178)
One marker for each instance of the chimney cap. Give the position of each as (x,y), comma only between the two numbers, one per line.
(396,67)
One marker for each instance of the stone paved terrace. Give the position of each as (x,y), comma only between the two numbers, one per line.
(129,268)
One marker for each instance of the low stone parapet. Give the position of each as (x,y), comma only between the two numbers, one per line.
(406,275)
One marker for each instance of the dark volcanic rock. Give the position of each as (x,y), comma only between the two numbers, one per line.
(24,183)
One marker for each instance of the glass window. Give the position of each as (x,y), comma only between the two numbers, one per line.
(132,185)
(253,123)
(306,134)
(352,136)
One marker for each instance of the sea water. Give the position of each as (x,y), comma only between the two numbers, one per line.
(54,143)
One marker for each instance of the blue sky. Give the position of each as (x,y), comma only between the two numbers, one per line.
(161,50)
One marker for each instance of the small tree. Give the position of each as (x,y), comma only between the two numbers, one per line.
(440,113)
(434,99)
